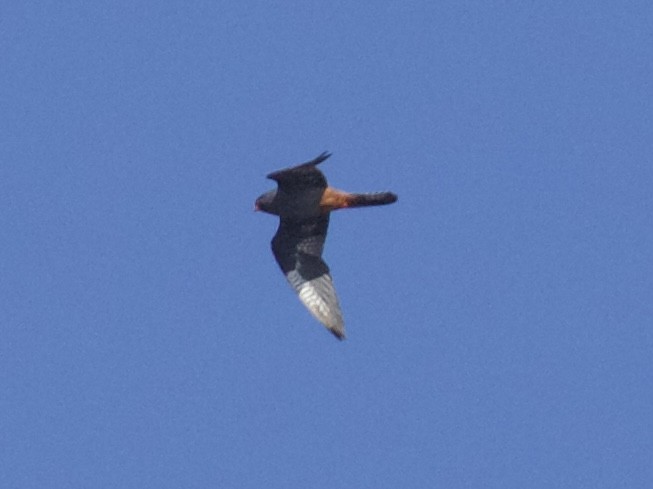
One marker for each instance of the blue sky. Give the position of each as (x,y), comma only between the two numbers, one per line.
(498,315)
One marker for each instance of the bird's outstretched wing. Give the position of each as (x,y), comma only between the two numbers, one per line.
(297,247)
(301,177)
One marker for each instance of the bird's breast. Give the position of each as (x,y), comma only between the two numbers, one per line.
(299,206)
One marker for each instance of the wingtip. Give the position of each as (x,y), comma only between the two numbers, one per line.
(339,334)
(277,175)
(320,158)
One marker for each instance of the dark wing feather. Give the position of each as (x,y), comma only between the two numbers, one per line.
(299,178)
(297,247)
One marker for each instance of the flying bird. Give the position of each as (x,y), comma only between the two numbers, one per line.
(303,201)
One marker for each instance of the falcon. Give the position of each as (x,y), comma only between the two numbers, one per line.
(303,201)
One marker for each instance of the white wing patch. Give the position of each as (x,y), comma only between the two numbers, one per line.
(319,297)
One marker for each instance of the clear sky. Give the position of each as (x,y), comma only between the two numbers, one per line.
(499,315)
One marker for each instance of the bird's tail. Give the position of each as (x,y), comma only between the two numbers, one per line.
(376,198)
(333,199)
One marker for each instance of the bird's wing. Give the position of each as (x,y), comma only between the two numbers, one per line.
(297,247)
(301,177)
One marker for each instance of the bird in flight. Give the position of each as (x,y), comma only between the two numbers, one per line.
(303,202)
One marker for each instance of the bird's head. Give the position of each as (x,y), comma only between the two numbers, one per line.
(265,202)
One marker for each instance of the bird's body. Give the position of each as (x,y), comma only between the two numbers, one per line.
(303,201)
